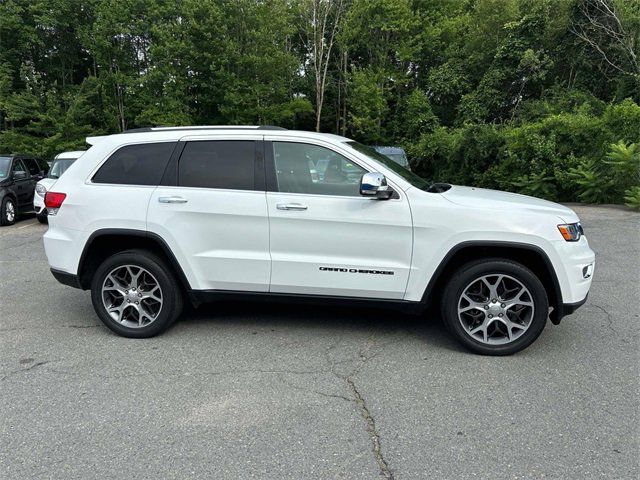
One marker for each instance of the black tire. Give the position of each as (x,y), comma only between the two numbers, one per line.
(42,217)
(7,202)
(465,275)
(171,293)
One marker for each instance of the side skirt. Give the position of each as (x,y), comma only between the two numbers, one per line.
(199,297)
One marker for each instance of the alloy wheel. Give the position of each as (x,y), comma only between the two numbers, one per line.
(132,296)
(10,211)
(495,309)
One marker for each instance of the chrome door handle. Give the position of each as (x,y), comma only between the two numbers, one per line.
(172,200)
(291,206)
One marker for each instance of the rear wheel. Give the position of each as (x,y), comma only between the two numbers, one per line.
(135,294)
(42,217)
(495,307)
(8,211)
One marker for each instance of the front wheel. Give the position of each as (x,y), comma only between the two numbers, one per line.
(495,307)
(8,212)
(135,294)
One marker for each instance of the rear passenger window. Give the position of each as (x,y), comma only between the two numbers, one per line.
(227,164)
(136,164)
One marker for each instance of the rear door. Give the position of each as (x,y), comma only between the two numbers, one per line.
(119,190)
(326,239)
(212,211)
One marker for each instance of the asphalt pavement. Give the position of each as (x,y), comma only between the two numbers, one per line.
(236,391)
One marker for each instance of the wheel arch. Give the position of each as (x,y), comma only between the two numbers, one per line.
(106,242)
(10,194)
(531,256)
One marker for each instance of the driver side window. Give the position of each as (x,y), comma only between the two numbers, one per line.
(18,166)
(306,168)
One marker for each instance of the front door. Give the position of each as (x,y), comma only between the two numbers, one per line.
(326,239)
(24,185)
(35,175)
(214,215)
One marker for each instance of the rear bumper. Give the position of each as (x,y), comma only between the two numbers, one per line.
(66,278)
(63,247)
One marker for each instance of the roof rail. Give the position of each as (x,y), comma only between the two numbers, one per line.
(204,127)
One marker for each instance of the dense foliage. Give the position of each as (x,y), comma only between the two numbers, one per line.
(536,96)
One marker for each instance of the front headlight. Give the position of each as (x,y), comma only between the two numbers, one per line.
(571,232)
(41,190)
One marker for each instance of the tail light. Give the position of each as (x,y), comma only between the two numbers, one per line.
(53,201)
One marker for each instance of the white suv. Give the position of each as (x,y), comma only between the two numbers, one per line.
(155,215)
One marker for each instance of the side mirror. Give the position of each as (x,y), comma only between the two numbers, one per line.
(374,184)
(19,175)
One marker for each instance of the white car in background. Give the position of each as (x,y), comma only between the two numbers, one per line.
(60,163)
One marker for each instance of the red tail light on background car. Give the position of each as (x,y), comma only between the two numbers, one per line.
(53,201)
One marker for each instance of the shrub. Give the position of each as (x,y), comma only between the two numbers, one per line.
(623,119)
(537,185)
(564,156)
(593,185)
(632,198)
(625,164)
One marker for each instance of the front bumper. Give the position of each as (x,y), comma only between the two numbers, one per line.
(38,204)
(575,271)
(566,309)
(569,308)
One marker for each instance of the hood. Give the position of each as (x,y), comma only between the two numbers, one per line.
(473,197)
(47,182)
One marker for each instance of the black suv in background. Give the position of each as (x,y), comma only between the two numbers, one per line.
(18,177)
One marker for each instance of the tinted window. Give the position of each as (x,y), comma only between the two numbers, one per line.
(218,164)
(5,163)
(304,168)
(136,164)
(32,165)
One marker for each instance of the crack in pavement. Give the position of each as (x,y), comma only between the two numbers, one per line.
(21,370)
(606,312)
(367,352)
(317,392)
(372,430)
(359,400)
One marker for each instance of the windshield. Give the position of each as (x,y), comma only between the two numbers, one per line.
(60,166)
(410,177)
(5,163)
